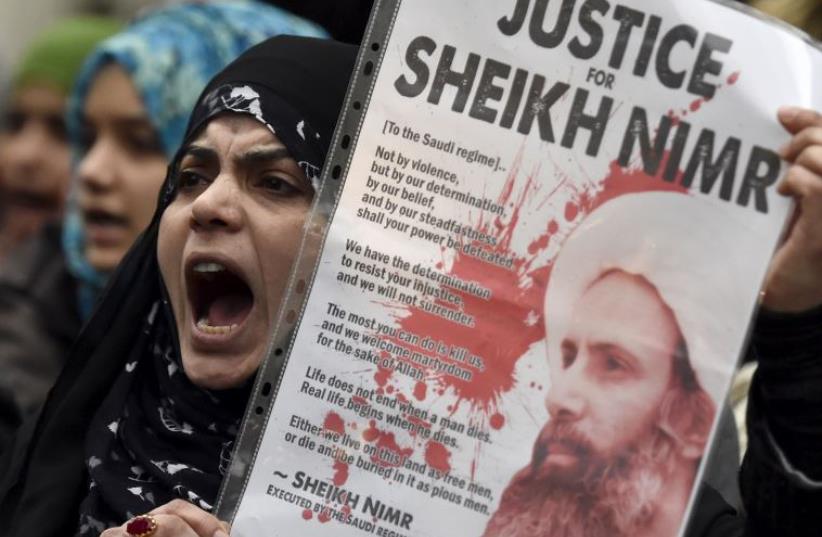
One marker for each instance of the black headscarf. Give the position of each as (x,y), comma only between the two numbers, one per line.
(123,418)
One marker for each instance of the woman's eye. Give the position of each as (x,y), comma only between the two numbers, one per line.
(188,179)
(14,121)
(277,185)
(143,143)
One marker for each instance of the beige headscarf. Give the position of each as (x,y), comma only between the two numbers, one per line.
(804,14)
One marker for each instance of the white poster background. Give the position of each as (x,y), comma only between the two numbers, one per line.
(769,67)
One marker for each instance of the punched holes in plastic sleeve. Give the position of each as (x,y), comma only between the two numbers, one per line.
(266,391)
(346,141)
(335,173)
(368,69)
(375,47)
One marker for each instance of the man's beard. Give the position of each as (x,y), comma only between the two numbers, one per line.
(601,498)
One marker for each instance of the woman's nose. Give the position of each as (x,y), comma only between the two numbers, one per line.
(98,169)
(218,206)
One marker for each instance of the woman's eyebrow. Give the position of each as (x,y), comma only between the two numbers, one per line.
(261,155)
(200,152)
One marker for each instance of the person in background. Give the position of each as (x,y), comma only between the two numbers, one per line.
(35,160)
(126,117)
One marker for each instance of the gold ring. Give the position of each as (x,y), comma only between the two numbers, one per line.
(141,526)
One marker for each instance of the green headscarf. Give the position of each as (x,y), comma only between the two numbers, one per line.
(56,55)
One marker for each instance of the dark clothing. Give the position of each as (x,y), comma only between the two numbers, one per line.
(345,20)
(10,417)
(38,322)
(157,437)
(781,475)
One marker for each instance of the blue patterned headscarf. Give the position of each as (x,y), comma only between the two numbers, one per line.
(170,54)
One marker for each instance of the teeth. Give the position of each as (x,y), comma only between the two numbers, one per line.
(208,267)
(203,325)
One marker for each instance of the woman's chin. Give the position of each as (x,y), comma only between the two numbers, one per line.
(223,358)
(216,372)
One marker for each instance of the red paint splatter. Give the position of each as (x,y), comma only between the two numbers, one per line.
(359,400)
(340,473)
(419,422)
(333,422)
(675,118)
(372,433)
(497,421)
(437,456)
(324,516)
(420,390)
(621,181)
(388,452)
(541,242)
(389,389)
(307,514)
(506,321)
(401,397)
(382,375)
(733,78)
(696,105)
(571,211)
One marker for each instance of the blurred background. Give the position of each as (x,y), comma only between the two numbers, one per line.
(22,20)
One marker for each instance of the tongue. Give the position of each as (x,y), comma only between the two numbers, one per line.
(229,309)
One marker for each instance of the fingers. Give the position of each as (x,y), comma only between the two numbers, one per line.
(795,119)
(167,526)
(175,526)
(803,140)
(202,523)
(800,182)
(178,519)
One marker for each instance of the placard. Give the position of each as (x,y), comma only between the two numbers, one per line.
(551,221)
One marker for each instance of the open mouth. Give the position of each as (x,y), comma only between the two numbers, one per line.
(98,217)
(220,299)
